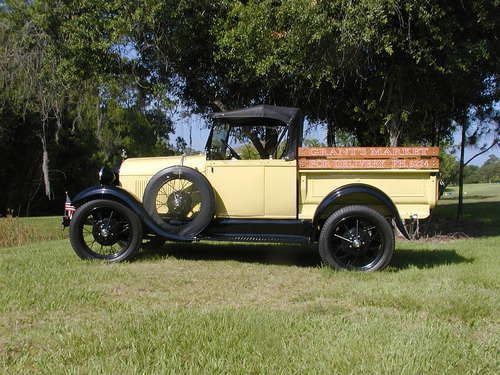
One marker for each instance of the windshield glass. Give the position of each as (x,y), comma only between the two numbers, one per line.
(217,142)
(246,142)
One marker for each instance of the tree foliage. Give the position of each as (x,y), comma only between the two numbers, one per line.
(388,70)
(66,104)
(489,172)
(81,79)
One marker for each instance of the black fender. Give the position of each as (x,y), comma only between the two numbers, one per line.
(372,191)
(120,195)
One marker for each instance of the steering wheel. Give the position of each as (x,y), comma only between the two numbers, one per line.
(234,154)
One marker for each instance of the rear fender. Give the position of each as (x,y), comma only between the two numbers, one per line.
(346,190)
(124,197)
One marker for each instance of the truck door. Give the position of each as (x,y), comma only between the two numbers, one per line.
(252,188)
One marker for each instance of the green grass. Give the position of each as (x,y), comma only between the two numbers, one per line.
(21,231)
(226,308)
(481,215)
(489,192)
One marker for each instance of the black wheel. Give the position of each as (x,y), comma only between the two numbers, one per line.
(356,238)
(104,229)
(180,200)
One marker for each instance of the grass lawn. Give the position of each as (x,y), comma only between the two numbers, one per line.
(21,231)
(226,308)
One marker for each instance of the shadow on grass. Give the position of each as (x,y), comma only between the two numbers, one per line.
(403,259)
(289,255)
(277,254)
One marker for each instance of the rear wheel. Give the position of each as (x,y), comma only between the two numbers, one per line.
(356,238)
(105,229)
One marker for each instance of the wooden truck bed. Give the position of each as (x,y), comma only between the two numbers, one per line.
(408,175)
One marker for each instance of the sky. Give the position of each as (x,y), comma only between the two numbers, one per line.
(199,134)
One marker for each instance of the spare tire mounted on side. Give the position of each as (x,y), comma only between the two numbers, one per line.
(180,200)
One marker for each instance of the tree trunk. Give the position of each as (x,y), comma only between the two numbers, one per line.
(394,133)
(45,166)
(45,170)
(267,148)
(271,140)
(254,138)
(461,176)
(330,134)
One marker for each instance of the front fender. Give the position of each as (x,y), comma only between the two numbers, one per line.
(124,197)
(372,191)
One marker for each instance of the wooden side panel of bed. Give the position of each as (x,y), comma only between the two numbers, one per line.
(369,158)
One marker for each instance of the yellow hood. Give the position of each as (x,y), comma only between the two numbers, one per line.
(150,166)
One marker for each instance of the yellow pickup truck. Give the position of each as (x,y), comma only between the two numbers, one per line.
(347,198)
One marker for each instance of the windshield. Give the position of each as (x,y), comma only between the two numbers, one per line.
(217,142)
(246,142)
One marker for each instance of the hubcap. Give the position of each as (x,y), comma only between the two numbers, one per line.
(104,232)
(179,203)
(356,243)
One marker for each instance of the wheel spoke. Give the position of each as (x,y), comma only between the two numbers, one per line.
(173,185)
(343,238)
(185,184)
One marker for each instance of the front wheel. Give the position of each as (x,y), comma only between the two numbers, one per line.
(105,229)
(356,238)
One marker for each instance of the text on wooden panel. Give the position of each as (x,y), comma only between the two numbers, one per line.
(368,152)
(432,163)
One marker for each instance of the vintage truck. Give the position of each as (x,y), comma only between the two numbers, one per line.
(346,199)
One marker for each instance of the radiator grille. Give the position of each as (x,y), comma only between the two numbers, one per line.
(139,187)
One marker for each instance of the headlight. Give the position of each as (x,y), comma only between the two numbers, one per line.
(106,176)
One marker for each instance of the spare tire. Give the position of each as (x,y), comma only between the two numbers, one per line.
(180,200)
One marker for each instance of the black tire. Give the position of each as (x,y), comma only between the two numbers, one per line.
(184,210)
(356,238)
(123,231)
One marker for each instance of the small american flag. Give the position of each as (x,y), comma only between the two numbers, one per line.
(69,209)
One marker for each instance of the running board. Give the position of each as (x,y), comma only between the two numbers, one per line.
(234,237)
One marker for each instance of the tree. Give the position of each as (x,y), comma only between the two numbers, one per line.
(180,145)
(371,67)
(381,72)
(247,151)
(481,121)
(68,99)
(490,170)
(472,174)
(312,142)
(448,168)
(387,72)
(29,77)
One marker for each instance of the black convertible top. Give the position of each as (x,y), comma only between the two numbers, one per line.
(268,115)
